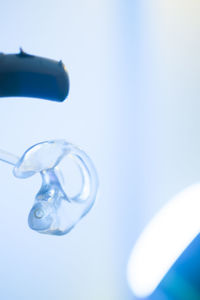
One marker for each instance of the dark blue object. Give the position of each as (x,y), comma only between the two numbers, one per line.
(25,75)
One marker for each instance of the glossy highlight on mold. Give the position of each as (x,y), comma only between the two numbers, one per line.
(53,211)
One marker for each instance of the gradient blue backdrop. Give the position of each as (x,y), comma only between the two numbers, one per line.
(133,106)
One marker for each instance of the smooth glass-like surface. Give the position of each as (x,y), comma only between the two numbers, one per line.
(53,211)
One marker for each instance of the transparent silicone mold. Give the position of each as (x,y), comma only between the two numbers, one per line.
(53,211)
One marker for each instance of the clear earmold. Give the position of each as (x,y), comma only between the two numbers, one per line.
(53,211)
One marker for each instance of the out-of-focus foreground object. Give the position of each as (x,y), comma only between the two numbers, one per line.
(163,241)
(25,75)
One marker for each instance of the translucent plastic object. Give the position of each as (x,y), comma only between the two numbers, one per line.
(54,212)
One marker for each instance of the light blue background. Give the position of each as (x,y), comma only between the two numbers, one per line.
(133,107)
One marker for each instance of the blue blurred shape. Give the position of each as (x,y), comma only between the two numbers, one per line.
(182,282)
(163,241)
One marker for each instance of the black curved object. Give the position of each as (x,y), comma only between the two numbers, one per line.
(25,75)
